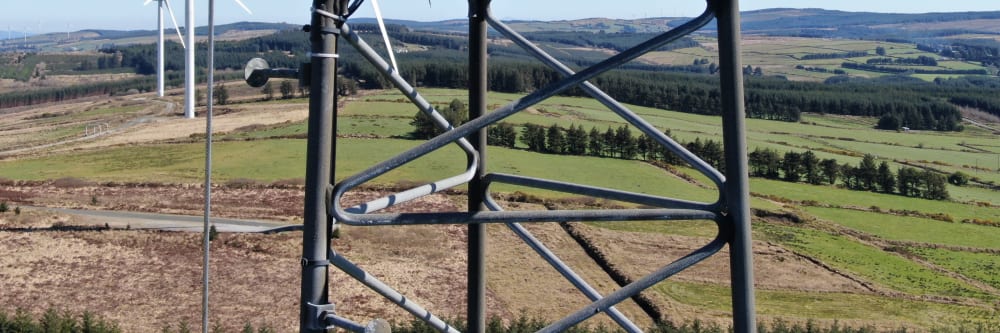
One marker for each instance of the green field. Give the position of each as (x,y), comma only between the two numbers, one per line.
(883,268)
(828,306)
(979,266)
(779,56)
(913,229)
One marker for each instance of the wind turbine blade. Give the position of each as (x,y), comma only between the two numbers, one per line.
(174,19)
(385,34)
(147,2)
(238,2)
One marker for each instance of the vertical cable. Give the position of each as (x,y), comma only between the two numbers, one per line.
(208,165)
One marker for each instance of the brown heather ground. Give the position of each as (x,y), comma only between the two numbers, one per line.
(147,279)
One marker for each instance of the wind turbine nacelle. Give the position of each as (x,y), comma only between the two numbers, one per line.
(257,72)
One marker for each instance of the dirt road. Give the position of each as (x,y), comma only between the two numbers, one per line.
(172,222)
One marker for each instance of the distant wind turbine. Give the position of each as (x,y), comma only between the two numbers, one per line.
(159,40)
(189,67)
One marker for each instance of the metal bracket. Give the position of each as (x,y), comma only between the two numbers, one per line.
(317,314)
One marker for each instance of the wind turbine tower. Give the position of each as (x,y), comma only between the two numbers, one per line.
(159,41)
(189,69)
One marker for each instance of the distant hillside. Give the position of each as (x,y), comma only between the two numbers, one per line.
(93,39)
(810,22)
(832,23)
(200,31)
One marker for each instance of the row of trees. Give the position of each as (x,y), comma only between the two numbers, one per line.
(867,176)
(985,51)
(851,54)
(894,70)
(918,61)
(612,143)
(50,95)
(621,143)
(820,70)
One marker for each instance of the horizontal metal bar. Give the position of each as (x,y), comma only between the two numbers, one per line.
(390,294)
(611,103)
(612,194)
(641,284)
(614,215)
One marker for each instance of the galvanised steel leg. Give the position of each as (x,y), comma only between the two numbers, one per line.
(737,204)
(319,157)
(476,311)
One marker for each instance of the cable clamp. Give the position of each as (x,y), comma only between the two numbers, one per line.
(327,14)
(314,263)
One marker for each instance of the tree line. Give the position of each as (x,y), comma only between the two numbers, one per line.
(918,61)
(622,144)
(893,70)
(51,95)
(820,69)
(838,55)
(986,51)
(806,167)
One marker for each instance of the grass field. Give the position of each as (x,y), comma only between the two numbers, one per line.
(841,197)
(829,306)
(980,266)
(780,55)
(886,269)
(912,228)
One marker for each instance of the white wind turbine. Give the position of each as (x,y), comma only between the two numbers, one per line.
(189,69)
(159,41)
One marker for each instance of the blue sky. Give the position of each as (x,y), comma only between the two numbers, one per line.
(63,15)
